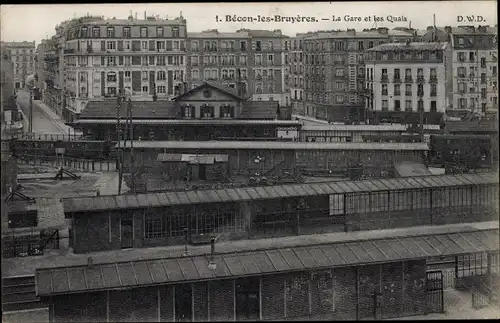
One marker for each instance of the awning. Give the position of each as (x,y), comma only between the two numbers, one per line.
(147,272)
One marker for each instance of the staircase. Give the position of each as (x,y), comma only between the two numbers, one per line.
(18,293)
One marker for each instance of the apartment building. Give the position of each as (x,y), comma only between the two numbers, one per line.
(217,56)
(295,78)
(268,66)
(144,58)
(22,54)
(475,68)
(7,83)
(334,72)
(330,75)
(410,77)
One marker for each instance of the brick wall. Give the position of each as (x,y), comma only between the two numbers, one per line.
(89,306)
(221,300)
(273,298)
(91,232)
(166,303)
(200,305)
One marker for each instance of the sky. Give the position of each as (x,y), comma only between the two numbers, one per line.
(36,22)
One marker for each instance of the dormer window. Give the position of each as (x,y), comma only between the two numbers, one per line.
(207,111)
(226,111)
(188,111)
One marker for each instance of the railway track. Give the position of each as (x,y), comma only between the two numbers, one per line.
(19,293)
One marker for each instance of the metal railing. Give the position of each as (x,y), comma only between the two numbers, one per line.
(87,165)
(31,244)
(49,136)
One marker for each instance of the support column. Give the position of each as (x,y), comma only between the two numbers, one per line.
(489,277)
(107,306)
(357,293)
(260,298)
(284,298)
(159,305)
(234,300)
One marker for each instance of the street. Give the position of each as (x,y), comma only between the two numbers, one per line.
(41,122)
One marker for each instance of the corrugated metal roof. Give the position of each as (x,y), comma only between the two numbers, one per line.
(99,203)
(147,272)
(270,145)
(192,121)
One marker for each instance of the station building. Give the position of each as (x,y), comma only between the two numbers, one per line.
(211,111)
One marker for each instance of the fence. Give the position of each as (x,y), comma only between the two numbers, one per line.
(29,244)
(87,165)
(49,136)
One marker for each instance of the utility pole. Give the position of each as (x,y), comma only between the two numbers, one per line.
(118,136)
(31,111)
(131,137)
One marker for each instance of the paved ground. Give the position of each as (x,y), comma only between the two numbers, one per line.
(65,257)
(42,123)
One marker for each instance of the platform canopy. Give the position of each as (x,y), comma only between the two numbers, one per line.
(163,271)
(254,193)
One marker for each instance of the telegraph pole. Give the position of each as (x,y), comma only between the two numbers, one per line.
(131,136)
(118,136)
(31,112)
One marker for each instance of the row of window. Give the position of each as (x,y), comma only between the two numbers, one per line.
(14,52)
(462,71)
(126,32)
(339,45)
(406,55)
(83,61)
(214,74)
(408,73)
(409,105)
(242,45)
(408,89)
(219,60)
(473,103)
(126,45)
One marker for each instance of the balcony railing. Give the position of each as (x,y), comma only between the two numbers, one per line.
(397,93)
(433,93)
(433,79)
(384,93)
(384,78)
(408,79)
(396,79)
(420,79)
(408,93)
(420,93)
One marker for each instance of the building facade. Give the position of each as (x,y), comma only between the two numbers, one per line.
(330,75)
(269,68)
(146,59)
(216,56)
(22,54)
(475,67)
(294,58)
(409,77)
(334,72)
(7,83)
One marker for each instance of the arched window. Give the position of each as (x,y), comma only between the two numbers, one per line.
(226,111)
(207,111)
(188,111)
